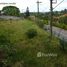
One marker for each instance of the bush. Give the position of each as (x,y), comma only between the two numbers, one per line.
(60,25)
(31,33)
(11,10)
(32,18)
(4,40)
(63,20)
(8,51)
(40,23)
(63,44)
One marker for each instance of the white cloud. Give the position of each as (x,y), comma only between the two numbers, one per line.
(44,6)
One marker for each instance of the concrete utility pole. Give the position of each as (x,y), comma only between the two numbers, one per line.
(51,17)
(51,12)
(38,6)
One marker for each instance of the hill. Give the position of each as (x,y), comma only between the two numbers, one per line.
(18,49)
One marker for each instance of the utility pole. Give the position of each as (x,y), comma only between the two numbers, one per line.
(51,17)
(38,7)
(51,13)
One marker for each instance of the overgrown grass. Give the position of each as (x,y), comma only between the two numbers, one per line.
(60,25)
(27,49)
(57,24)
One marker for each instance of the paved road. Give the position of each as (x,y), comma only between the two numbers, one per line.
(58,32)
(9,17)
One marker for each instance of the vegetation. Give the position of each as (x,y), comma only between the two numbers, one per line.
(60,22)
(18,50)
(11,10)
(31,33)
(63,44)
(63,20)
(59,19)
(60,25)
(27,14)
(40,23)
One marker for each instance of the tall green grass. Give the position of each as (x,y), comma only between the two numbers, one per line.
(23,50)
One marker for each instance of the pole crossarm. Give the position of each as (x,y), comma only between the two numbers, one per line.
(54,1)
(38,2)
(58,4)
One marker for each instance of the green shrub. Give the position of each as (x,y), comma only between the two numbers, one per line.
(8,51)
(60,25)
(40,23)
(63,20)
(31,33)
(46,21)
(63,44)
(4,39)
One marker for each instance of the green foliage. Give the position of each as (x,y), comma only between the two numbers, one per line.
(11,10)
(63,20)
(40,23)
(63,45)
(8,51)
(60,25)
(4,40)
(21,48)
(31,33)
(46,21)
(27,14)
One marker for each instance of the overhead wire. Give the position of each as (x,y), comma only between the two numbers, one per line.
(58,4)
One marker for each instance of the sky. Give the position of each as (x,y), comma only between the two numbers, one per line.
(23,4)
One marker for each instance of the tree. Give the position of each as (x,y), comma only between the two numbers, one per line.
(0,12)
(63,20)
(11,10)
(65,11)
(27,12)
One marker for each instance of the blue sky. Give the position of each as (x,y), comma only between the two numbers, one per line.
(44,6)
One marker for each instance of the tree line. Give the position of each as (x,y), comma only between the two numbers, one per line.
(13,11)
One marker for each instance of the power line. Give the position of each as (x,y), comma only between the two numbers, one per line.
(58,4)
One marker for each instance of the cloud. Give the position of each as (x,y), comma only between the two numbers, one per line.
(44,6)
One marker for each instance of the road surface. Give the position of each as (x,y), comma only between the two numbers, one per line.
(58,32)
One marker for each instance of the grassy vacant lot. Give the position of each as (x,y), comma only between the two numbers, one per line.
(23,51)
